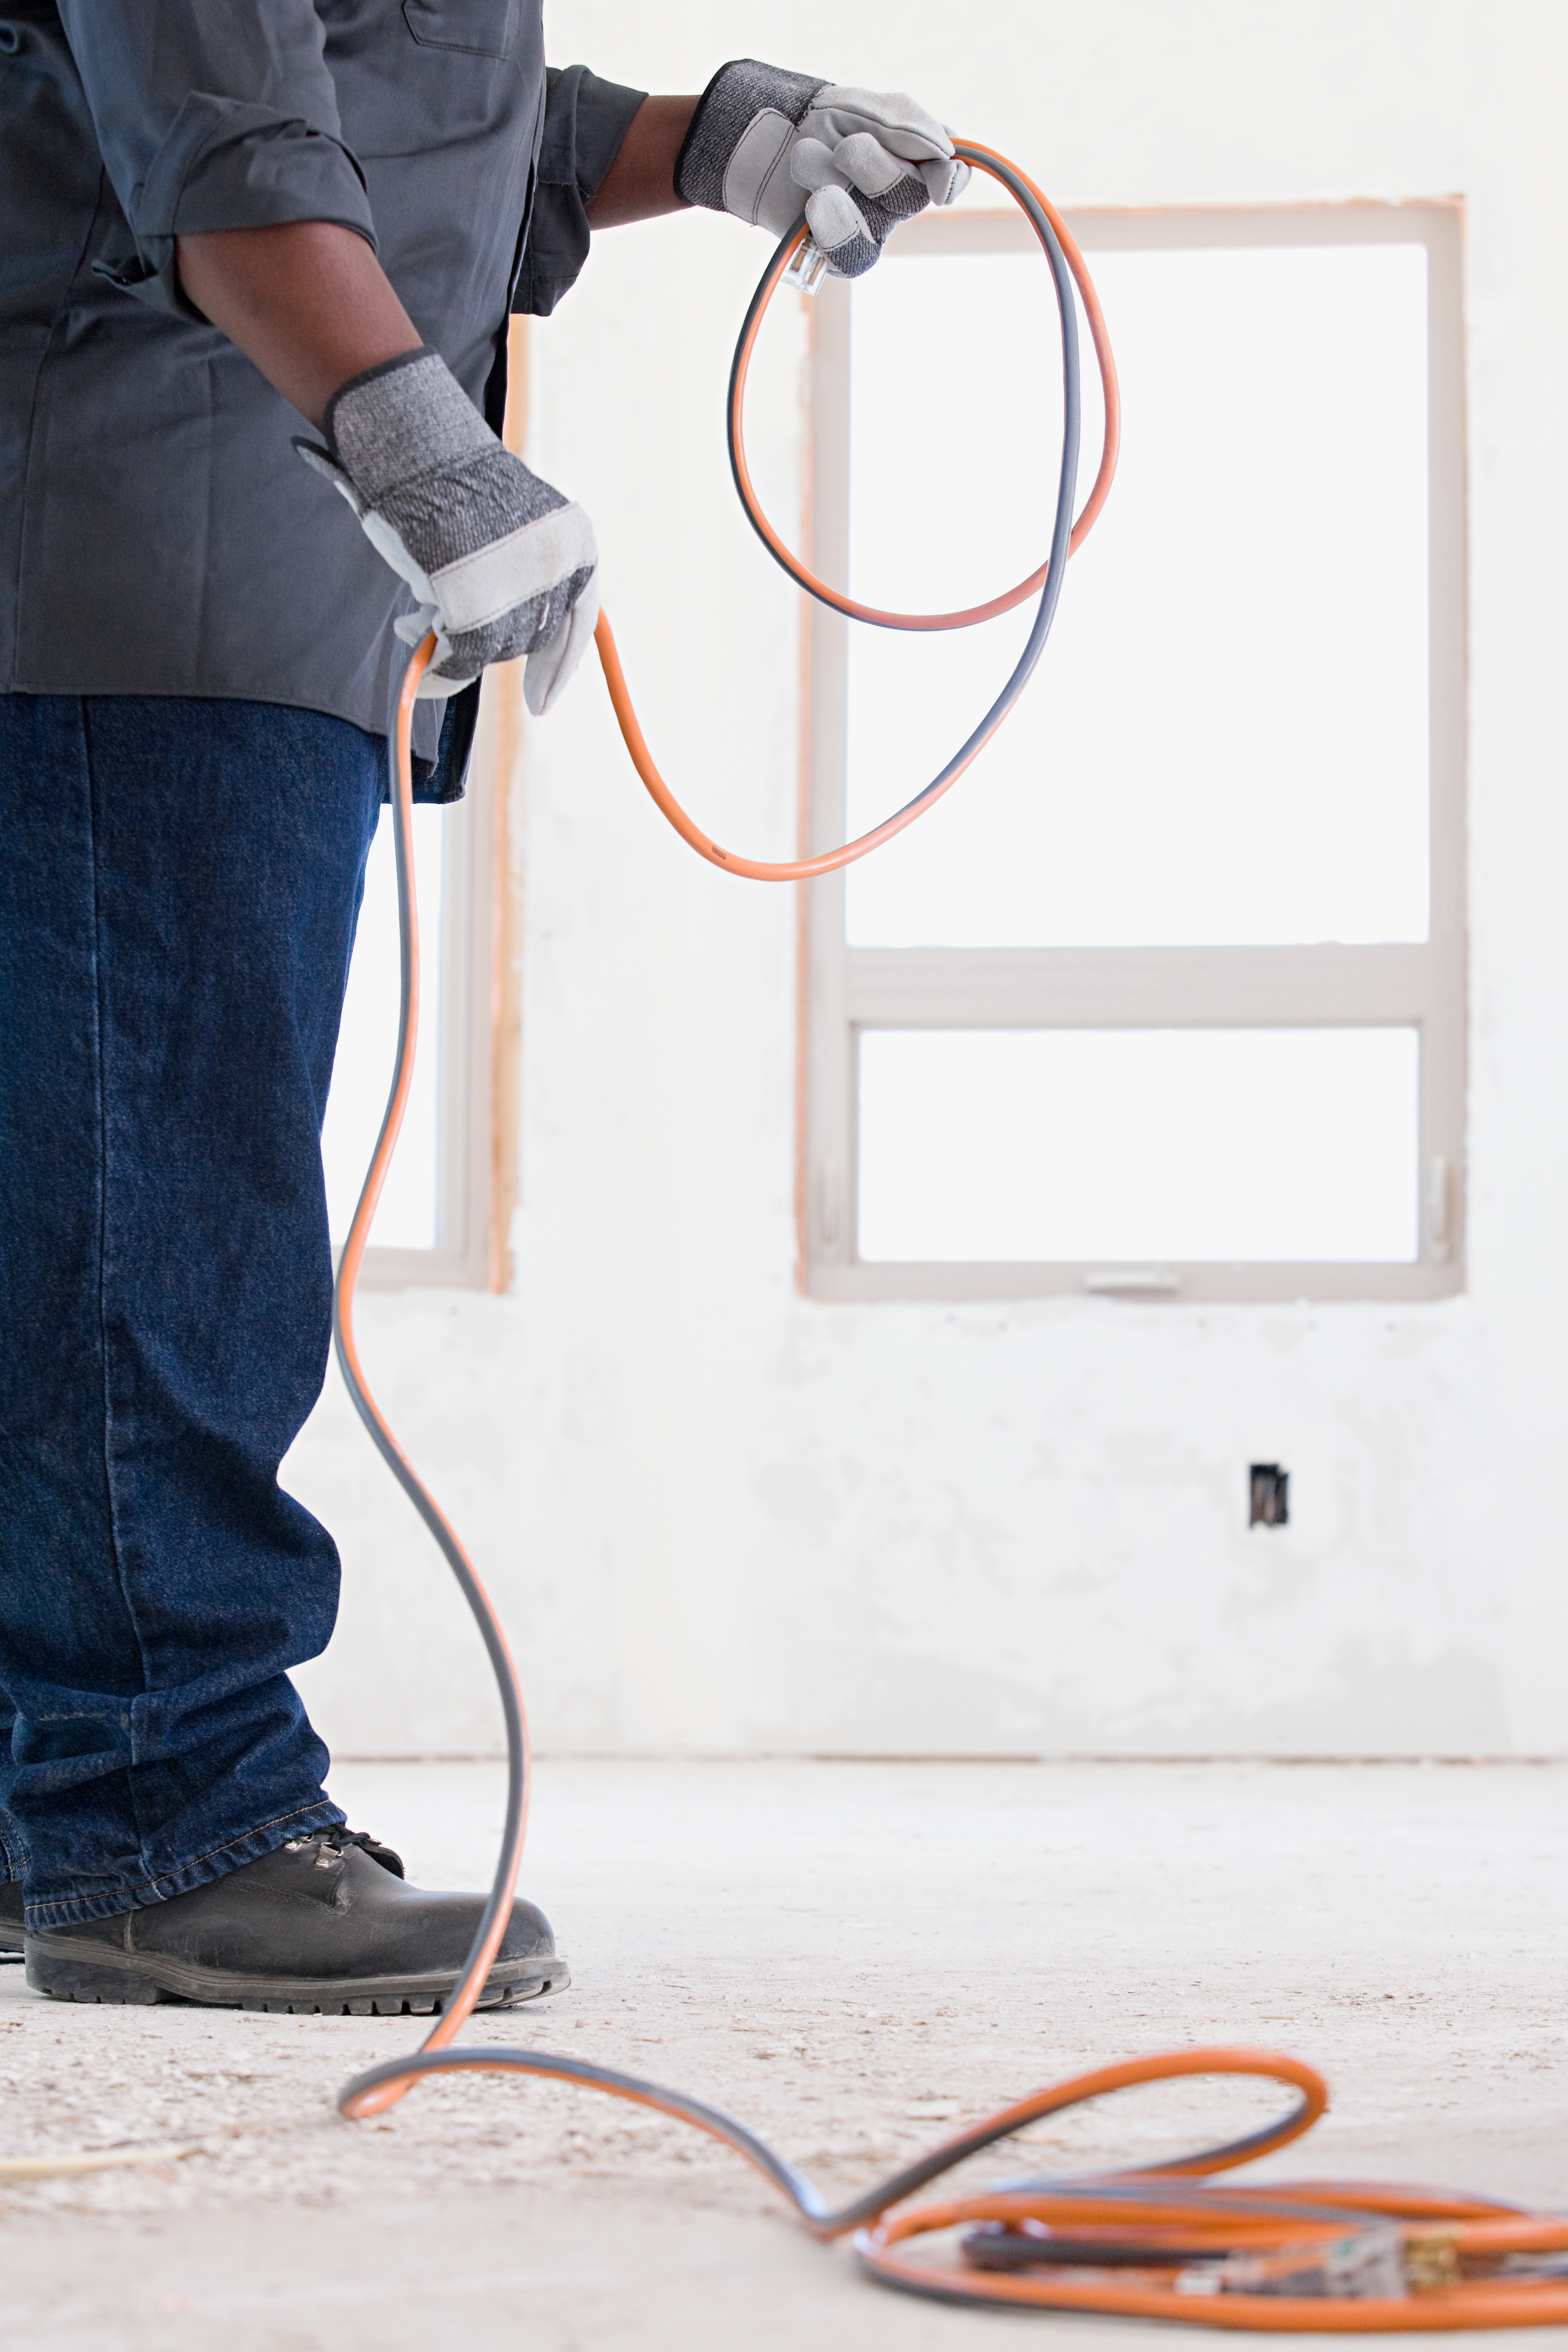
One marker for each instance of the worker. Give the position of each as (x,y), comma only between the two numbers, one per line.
(257,253)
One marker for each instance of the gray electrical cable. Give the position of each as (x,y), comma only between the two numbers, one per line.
(806,2198)
(1328,2240)
(386,1445)
(1061,531)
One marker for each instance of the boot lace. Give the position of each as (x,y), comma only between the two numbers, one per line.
(332,1842)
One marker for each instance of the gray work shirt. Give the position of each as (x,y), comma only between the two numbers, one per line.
(158,534)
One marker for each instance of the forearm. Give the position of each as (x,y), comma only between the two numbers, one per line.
(641,182)
(307,302)
(311,306)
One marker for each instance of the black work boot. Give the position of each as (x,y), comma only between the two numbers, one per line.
(10,1919)
(324,1923)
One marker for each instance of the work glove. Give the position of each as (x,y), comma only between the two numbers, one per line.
(502,564)
(768,145)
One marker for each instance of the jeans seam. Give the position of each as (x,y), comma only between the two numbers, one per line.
(14,1857)
(101,1090)
(278,1821)
(143,1894)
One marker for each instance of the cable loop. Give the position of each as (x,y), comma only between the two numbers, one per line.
(1067,265)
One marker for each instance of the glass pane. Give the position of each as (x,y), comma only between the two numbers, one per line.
(1147,1144)
(367,1043)
(1227,738)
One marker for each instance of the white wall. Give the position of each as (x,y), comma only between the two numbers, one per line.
(720,1518)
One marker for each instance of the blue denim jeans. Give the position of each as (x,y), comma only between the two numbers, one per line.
(178,886)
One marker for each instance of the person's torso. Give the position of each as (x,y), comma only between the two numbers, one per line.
(157,532)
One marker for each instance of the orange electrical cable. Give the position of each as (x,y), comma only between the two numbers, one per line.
(1159,2243)
(1232,2258)
(986,159)
(456,2010)
(802,869)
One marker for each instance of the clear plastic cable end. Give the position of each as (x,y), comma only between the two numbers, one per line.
(808,269)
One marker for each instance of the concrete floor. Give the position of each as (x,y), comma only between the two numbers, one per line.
(849,1957)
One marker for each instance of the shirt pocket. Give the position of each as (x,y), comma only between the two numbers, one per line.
(485,28)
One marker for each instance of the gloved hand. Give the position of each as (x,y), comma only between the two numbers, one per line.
(501,562)
(766,145)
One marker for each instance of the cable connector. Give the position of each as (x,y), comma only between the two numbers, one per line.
(807,269)
(1366,2266)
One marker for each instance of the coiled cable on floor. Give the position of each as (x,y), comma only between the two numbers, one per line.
(1154,2242)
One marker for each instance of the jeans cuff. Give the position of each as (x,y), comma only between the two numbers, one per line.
(105,1899)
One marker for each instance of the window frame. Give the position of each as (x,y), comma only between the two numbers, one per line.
(460,1257)
(479,1039)
(845,989)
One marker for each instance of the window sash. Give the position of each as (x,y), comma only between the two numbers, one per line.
(845,989)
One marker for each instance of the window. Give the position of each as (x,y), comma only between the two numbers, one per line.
(447,1211)
(433,1224)
(1167,995)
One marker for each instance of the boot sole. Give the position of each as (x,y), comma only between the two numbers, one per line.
(10,1946)
(139,1979)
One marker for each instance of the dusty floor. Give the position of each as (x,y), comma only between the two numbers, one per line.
(849,1957)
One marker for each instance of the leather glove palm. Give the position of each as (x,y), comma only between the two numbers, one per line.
(766,145)
(502,563)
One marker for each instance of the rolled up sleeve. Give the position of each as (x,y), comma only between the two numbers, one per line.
(211,114)
(585,122)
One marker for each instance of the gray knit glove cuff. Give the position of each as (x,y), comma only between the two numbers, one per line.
(502,564)
(768,145)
